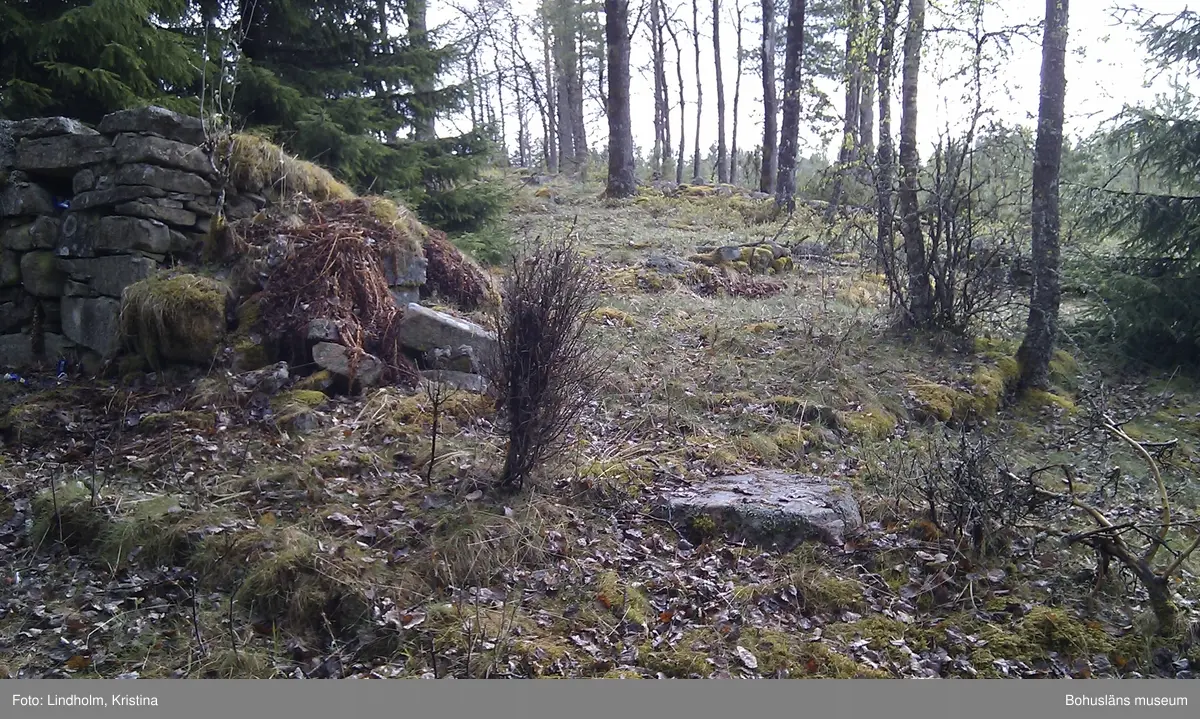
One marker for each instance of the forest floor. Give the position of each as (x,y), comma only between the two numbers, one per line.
(163,526)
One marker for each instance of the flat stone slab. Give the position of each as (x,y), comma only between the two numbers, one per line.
(769,507)
(423,329)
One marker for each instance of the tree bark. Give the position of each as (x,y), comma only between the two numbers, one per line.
(920,290)
(885,177)
(789,135)
(722,149)
(866,106)
(621,180)
(852,76)
(552,142)
(682,106)
(424,128)
(1042,327)
(699,91)
(737,94)
(770,154)
(661,117)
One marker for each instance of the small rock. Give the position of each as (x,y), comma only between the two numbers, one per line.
(463,381)
(336,359)
(459,359)
(41,234)
(268,380)
(324,330)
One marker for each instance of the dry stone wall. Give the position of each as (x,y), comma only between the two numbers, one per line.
(85,212)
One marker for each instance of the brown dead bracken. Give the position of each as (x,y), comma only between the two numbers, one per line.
(334,270)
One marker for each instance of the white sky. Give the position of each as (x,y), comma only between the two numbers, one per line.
(1106,70)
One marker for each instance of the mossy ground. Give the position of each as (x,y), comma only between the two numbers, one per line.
(336,539)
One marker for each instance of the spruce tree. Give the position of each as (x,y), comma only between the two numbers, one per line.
(328,80)
(1149,298)
(85,59)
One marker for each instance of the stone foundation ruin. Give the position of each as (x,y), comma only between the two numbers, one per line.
(104,231)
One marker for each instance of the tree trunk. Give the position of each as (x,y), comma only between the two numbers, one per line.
(885,178)
(920,291)
(660,96)
(789,135)
(425,126)
(852,76)
(722,149)
(551,140)
(579,132)
(682,106)
(699,91)
(866,106)
(621,181)
(770,154)
(737,93)
(1042,327)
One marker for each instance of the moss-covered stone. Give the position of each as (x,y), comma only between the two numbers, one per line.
(782,264)
(1037,399)
(873,423)
(175,318)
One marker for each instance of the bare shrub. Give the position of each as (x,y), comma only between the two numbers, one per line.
(963,488)
(547,367)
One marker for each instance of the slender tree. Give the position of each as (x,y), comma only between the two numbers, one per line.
(737,92)
(866,105)
(920,290)
(699,90)
(682,104)
(621,180)
(662,118)
(552,91)
(1034,354)
(770,155)
(852,77)
(722,149)
(789,136)
(885,176)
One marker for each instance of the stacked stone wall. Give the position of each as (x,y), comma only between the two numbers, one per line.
(87,211)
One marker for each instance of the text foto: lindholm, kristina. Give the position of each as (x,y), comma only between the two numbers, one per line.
(76,700)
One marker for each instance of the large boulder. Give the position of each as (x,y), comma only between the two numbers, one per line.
(161,210)
(36,128)
(10,269)
(423,329)
(8,148)
(130,148)
(84,235)
(62,155)
(156,121)
(20,197)
(41,234)
(110,275)
(16,310)
(769,507)
(114,195)
(92,322)
(165,178)
(40,274)
(175,318)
